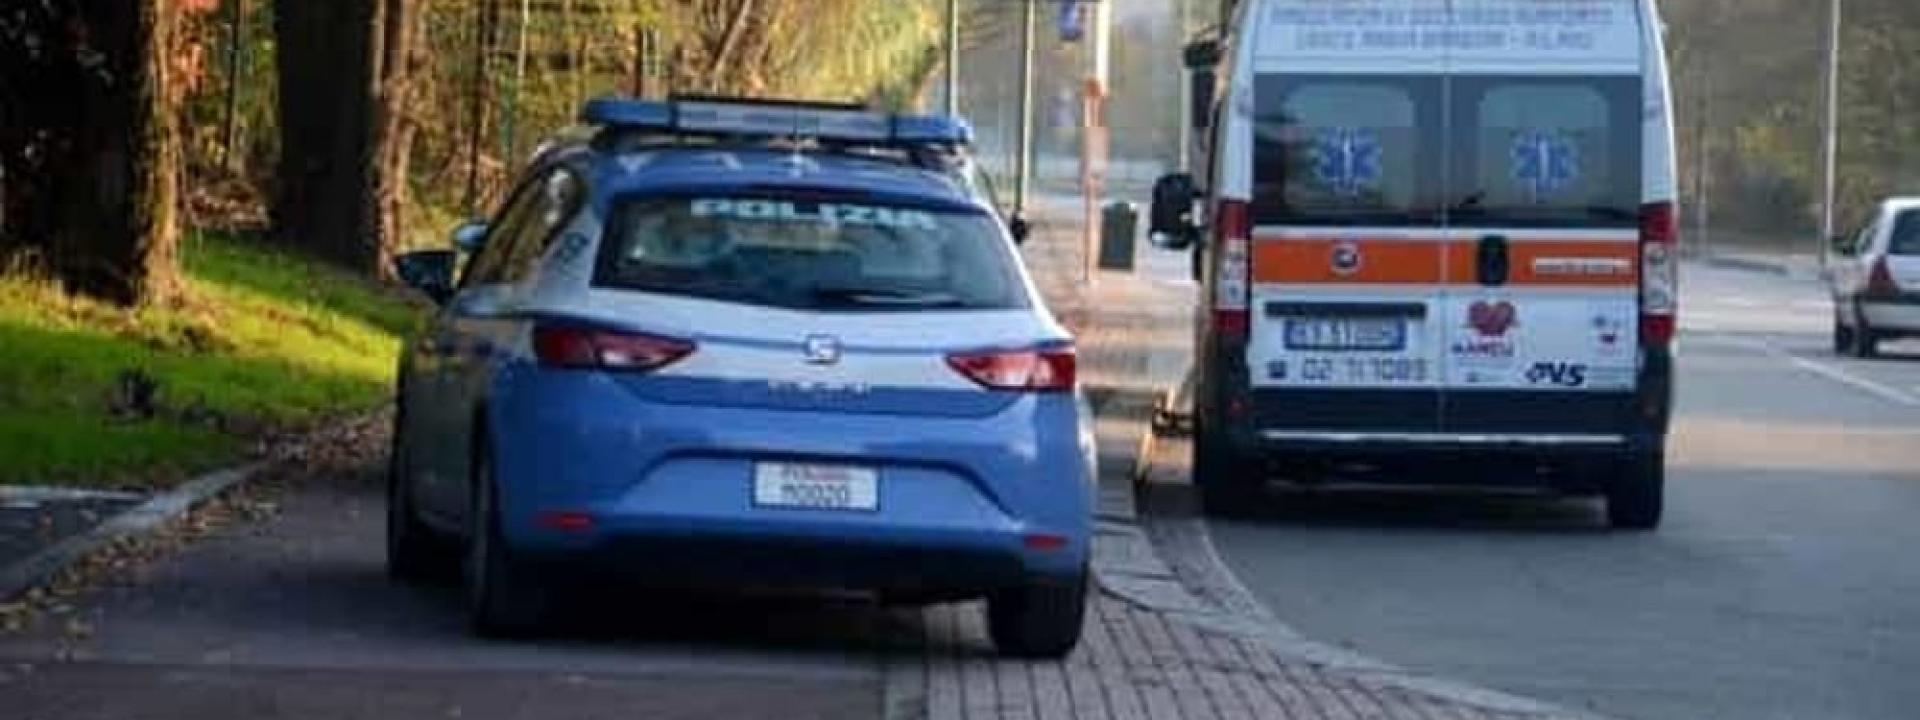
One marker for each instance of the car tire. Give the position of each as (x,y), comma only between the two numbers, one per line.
(1218,475)
(414,552)
(500,601)
(1636,500)
(1865,343)
(1842,337)
(1041,619)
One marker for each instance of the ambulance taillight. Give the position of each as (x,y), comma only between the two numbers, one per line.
(1233,270)
(1659,273)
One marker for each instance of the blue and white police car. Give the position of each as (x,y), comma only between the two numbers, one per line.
(743,344)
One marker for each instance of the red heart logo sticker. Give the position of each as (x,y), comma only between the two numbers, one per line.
(1492,319)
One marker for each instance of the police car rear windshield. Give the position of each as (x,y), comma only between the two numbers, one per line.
(810,254)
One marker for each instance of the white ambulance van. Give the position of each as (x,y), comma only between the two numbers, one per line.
(1440,246)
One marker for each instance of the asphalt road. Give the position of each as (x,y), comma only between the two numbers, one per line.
(1783,585)
(32,519)
(294,618)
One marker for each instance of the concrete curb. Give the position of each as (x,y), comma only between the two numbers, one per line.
(18,578)
(1771,267)
(1202,591)
(1798,267)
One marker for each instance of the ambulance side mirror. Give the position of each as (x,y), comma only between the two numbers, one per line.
(1170,221)
(1202,54)
(1202,59)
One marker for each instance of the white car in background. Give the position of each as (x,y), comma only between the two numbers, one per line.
(1875,275)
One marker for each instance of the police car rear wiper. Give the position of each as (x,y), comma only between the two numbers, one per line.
(884,296)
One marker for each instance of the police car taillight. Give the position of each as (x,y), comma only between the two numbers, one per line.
(1659,273)
(1051,369)
(1233,269)
(582,347)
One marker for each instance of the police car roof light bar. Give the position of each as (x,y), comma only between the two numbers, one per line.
(729,117)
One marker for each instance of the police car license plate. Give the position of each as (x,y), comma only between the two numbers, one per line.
(1336,334)
(816,487)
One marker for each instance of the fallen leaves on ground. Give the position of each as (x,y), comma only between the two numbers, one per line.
(344,452)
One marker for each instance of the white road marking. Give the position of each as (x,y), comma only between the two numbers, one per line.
(1831,372)
(1836,374)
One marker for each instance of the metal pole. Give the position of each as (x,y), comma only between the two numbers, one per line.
(1023,165)
(1185,134)
(1828,216)
(953,58)
(1096,143)
(1703,172)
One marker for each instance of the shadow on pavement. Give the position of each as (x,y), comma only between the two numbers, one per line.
(339,596)
(1428,509)
(1354,503)
(310,586)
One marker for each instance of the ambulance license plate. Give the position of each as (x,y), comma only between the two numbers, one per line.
(1337,334)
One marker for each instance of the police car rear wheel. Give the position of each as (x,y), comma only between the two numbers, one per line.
(1842,337)
(414,552)
(1040,619)
(500,604)
(1637,498)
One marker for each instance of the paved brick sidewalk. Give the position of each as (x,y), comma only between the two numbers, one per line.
(1152,649)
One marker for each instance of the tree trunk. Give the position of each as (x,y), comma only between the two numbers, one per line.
(93,190)
(396,90)
(346,81)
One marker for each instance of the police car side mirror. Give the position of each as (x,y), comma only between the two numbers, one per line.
(470,237)
(429,271)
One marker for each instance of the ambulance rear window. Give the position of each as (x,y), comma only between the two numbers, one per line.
(1546,151)
(1347,150)
(1467,150)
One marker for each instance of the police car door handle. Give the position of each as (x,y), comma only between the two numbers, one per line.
(1493,264)
(436,344)
(448,345)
